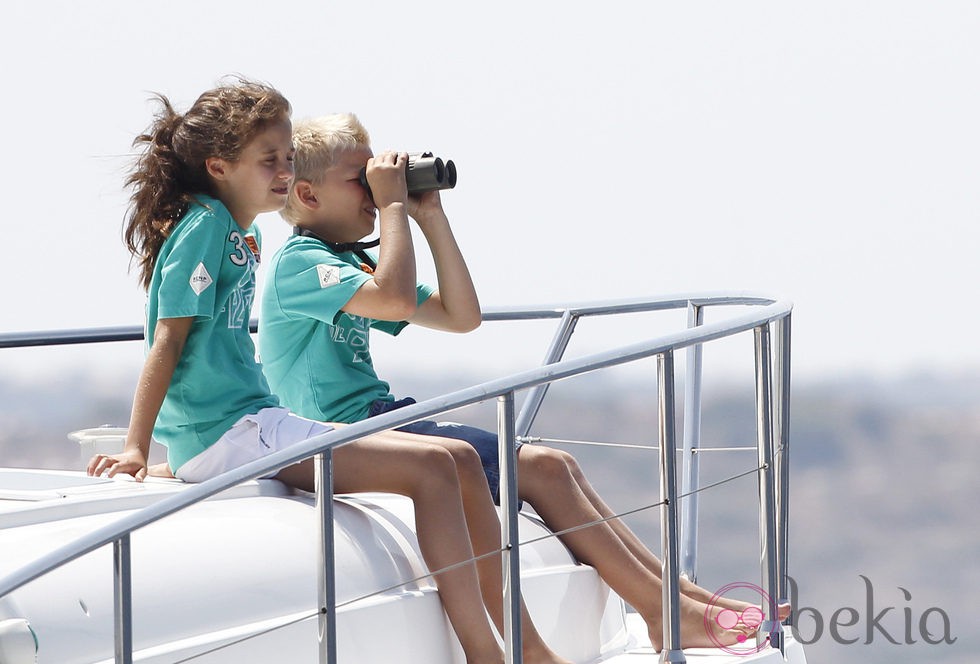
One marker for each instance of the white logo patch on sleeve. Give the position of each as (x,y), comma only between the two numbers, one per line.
(329,275)
(200,279)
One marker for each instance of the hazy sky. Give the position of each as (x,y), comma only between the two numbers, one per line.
(826,152)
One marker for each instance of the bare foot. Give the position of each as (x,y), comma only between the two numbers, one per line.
(702,595)
(782,610)
(159,470)
(702,626)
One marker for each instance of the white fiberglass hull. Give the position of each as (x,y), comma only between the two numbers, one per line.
(232,579)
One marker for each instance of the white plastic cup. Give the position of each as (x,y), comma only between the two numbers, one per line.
(105,439)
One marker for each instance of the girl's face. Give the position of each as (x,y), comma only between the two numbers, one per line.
(258,181)
(346,213)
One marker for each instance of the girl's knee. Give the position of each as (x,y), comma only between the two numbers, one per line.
(469,466)
(464,454)
(434,476)
(433,462)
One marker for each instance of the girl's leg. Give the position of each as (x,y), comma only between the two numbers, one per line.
(427,474)
(546,481)
(484,529)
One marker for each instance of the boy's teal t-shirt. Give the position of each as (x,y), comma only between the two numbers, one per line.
(317,357)
(206,269)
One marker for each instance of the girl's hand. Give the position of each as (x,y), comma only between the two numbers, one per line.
(131,462)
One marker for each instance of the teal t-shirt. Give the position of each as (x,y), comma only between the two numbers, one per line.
(206,269)
(317,357)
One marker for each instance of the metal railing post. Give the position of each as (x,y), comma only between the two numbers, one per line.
(122,599)
(690,461)
(672,651)
(767,499)
(781,426)
(536,395)
(509,537)
(326,572)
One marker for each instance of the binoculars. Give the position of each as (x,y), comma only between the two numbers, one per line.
(424,172)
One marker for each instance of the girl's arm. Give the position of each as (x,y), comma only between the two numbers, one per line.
(168,344)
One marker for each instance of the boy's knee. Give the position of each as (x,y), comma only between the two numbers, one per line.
(545,464)
(572,464)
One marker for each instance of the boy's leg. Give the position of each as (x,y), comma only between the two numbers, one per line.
(546,481)
(641,552)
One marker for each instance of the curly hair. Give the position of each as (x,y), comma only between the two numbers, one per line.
(170,167)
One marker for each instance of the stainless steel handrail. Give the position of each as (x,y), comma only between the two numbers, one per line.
(37,338)
(773,485)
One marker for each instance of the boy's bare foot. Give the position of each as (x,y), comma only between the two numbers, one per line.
(702,627)
(740,607)
(699,594)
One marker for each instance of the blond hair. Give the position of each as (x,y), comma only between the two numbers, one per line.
(318,141)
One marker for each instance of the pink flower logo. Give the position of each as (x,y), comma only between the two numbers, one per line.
(720,615)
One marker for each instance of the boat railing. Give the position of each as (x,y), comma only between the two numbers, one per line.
(767,318)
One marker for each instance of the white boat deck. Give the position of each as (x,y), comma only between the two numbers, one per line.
(643,652)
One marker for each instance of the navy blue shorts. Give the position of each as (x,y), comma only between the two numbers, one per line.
(484,442)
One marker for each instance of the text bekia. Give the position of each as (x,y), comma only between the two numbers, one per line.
(847,625)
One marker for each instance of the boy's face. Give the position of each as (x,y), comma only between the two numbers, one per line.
(346,213)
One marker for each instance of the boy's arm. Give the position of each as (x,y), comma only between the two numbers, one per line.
(161,361)
(390,294)
(454,307)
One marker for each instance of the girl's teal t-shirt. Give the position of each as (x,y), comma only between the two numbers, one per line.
(206,270)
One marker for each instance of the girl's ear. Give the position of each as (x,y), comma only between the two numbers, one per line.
(305,194)
(216,167)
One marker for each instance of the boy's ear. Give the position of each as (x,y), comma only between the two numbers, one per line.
(216,167)
(305,194)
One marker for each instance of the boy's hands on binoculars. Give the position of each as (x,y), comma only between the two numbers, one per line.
(386,176)
(425,207)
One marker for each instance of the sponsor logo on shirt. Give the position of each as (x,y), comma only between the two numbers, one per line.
(329,275)
(200,279)
(254,246)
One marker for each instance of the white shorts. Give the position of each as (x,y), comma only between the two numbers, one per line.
(252,437)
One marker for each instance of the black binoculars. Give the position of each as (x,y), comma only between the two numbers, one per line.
(423,173)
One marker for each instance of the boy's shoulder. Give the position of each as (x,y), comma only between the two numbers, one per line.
(300,253)
(301,247)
